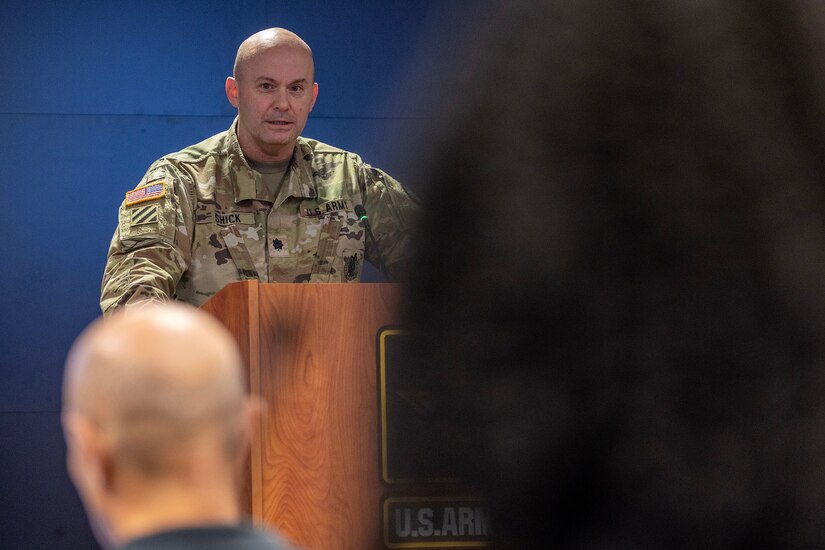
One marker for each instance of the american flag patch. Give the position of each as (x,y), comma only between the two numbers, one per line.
(147,193)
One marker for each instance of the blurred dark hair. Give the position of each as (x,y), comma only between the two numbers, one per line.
(622,276)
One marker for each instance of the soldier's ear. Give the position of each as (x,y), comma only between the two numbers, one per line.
(314,95)
(232,91)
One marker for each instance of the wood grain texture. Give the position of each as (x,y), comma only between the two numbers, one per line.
(236,306)
(320,459)
(319,471)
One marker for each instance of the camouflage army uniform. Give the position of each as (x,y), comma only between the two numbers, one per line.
(202,218)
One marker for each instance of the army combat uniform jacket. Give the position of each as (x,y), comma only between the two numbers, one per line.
(202,218)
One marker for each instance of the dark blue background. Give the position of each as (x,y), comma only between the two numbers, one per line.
(92,93)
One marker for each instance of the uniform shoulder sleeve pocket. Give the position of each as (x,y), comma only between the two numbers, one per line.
(149,211)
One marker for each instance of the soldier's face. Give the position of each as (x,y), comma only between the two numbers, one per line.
(274,94)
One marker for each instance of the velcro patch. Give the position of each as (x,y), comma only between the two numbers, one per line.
(230,218)
(146,193)
(325,208)
(144,214)
(352,264)
(280,249)
(226,219)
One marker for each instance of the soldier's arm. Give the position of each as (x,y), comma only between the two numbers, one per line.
(151,247)
(393,213)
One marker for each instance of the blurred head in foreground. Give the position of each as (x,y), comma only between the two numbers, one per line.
(623,276)
(157,422)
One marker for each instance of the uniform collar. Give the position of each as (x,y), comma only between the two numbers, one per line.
(298,181)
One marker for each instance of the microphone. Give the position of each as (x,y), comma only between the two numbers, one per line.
(361,212)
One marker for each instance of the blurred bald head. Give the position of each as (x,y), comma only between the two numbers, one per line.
(264,40)
(155,381)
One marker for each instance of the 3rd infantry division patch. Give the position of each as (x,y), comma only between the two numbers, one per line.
(144,215)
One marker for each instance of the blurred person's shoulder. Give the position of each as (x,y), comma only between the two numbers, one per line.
(235,537)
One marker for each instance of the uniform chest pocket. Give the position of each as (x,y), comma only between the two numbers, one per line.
(222,237)
(340,253)
(319,226)
(329,233)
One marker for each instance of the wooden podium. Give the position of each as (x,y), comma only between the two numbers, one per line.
(310,352)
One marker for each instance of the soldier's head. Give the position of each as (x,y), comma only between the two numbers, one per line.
(274,90)
(156,420)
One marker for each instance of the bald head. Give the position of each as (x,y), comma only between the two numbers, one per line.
(264,40)
(155,380)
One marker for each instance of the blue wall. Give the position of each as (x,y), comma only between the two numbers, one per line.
(93,93)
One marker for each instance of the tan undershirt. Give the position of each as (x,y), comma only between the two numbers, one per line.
(272,175)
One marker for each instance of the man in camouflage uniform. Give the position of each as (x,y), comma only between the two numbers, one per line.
(257,201)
